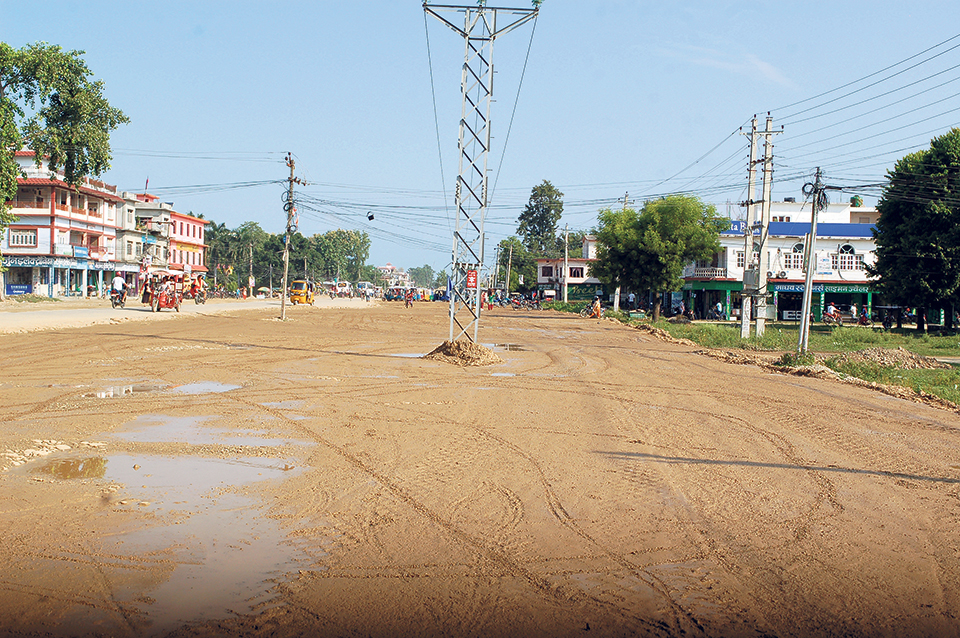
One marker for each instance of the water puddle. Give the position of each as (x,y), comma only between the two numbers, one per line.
(154,428)
(407,355)
(227,552)
(502,374)
(507,347)
(126,390)
(204,387)
(74,468)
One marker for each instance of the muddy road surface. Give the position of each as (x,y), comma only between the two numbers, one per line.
(227,473)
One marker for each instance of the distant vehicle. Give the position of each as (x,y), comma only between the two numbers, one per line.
(301,291)
(344,289)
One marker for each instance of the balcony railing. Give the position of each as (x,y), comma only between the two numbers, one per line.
(708,273)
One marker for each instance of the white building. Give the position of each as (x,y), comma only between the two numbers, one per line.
(844,246)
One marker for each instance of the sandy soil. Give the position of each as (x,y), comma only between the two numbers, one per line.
(226,473)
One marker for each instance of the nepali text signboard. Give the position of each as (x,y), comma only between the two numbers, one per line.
(822,288)
(471,279)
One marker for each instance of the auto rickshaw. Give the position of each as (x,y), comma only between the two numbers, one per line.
(163,290)
(301,291)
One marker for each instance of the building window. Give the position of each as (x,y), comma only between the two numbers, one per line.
(846,259)
(739,259)
(546,271)
(576,272)
(781,218)
(129,249)
(793,260)
(23,238)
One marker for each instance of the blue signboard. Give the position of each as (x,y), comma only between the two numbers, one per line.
(18,289)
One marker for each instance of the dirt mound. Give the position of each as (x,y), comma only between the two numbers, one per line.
(463,353)
(662,334)
(892,358)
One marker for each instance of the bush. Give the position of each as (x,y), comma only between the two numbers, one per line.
(795,359)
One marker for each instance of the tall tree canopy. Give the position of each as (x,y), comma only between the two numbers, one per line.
(49,104)
(422,276)
(648,250)
(538,221)
(918,233)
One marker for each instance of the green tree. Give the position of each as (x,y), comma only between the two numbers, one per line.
(422,276)
(538,221)
(918,233)
(49,104)
(648,250)
(522,263)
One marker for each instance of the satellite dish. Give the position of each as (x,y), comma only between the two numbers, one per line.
(370,216)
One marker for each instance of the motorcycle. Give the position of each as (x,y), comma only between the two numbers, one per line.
(199,297)
(833,320)
(864,320)
(118,298)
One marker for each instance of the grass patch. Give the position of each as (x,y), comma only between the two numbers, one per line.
(943,383)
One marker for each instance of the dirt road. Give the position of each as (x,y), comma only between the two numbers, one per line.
(231,474)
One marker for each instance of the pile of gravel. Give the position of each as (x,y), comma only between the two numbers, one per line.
(463,353)
(891,358)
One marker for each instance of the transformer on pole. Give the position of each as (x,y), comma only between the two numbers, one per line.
(480,29)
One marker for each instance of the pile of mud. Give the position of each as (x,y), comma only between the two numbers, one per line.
(892,358)
(463,353)
(662,334)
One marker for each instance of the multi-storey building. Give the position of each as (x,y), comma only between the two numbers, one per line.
(69,241)
(844,247)
(64,240)
(575,271)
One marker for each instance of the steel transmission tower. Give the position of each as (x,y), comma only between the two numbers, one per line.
(480,29)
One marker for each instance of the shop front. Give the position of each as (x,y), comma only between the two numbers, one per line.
(788,298)
(59,276)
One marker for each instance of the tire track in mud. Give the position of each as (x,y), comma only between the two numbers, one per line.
(491,554)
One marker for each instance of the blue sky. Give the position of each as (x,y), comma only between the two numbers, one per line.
(618,96)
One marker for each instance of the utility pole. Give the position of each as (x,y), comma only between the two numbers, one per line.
(509,265)
(250,274)
(496,269)
(749,279)
(815,192)
(291,228)
(566,259)
(479,31)
(765,226)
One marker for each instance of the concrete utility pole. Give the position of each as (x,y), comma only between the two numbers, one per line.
(749,281)
(566,259)
(479,31)
(506,286)
(765,226)
(815,192)
(288,206)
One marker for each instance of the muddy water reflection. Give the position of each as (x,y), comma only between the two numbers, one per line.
(225,548)
(155,428)
(66,469)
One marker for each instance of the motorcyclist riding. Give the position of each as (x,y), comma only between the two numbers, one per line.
(119,285)
(596,310)
(832,312)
